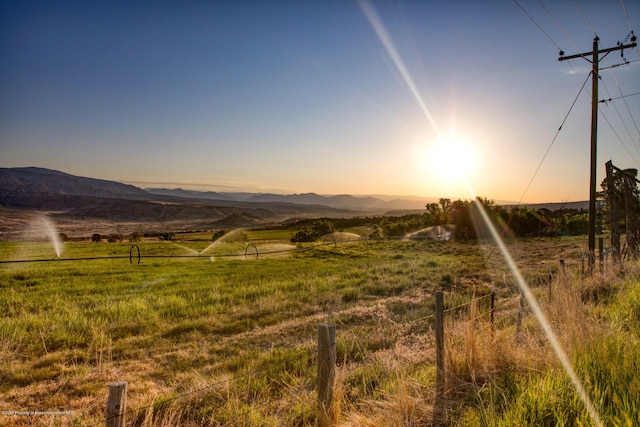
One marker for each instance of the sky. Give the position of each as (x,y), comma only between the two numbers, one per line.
(395,97)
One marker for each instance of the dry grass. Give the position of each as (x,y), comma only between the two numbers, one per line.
(193,373)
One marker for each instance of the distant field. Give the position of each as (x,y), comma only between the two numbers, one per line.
(234,333)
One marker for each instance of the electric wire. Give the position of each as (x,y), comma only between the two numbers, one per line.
(555,21)
(535,173)
(585,18)
(604,101)
(620,64)
(537,25)
(620,115)
(626,14)
(619,138)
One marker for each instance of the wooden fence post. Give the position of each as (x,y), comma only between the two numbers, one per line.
(493,303)
(438,410)
(520,313)
(601,252)
(563,273)
(326,373)
(116,404)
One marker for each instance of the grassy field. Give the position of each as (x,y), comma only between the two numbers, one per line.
(226,339)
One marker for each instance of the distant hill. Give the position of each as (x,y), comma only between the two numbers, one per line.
(32,180)
(342,201)
(45,189)
(89,205)
(179,192)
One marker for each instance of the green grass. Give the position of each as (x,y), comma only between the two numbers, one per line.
(244,331)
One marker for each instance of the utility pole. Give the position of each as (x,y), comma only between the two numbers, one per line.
(595,59)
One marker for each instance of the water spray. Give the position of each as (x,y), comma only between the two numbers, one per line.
(52,234)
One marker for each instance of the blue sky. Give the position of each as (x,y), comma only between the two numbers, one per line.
(291,96)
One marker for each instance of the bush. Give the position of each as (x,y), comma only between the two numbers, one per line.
(318,229)
(136,236)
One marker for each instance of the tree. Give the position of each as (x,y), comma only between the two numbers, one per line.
(136,236)
(322,227)
(169,236)
(318,229)
(434,213)
(96,238)
(445,204)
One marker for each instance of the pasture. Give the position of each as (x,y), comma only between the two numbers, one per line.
(227,339)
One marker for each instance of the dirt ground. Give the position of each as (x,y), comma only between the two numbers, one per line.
(29,225)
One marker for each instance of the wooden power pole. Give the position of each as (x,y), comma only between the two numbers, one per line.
(595,59)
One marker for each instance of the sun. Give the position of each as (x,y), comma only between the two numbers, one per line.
(448,164)
(450,159)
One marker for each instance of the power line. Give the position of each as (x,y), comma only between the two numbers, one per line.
(511,215)
(595,59)
(585,18)
(537,25)
(619,139)
(555,21)
(553,140)
(620,115)
(558,25)
(626,14)
(604,101)
(626,62)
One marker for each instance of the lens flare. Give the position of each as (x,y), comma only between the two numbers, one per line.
(537,311)
(381,31)
(375,21)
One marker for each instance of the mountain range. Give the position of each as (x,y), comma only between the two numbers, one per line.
(106,204)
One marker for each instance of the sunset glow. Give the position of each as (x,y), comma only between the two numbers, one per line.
(294,97)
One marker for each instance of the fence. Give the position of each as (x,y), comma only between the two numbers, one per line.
(116,410)
(512,310)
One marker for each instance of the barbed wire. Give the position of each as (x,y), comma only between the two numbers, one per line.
(450,309)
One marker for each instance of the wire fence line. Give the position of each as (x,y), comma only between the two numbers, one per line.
(306,387)
(502,306)
(252,373)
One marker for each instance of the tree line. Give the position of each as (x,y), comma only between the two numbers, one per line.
(462,217)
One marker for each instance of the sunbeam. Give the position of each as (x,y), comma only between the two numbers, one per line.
(375,21)
(537,311)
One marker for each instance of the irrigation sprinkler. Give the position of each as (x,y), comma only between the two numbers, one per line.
(135,252)
(131,254)
(246,250)
(335,243)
